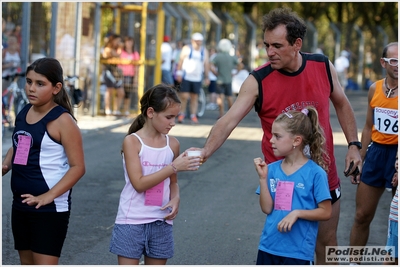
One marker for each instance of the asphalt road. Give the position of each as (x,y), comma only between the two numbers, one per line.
(219,221)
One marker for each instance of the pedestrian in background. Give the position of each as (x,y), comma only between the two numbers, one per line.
(342,64)
(212,87)
(46,160)
(176,53)
(261,54)
(11,62)
(292,80)
(150,199)
(294,191)
(4,35)
(192,69)
(166,62)
(113,76)
(128,52)
(224,64)
(240,74)
(380,142)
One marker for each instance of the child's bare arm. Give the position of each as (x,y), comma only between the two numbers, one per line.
(7,161)
(266,202)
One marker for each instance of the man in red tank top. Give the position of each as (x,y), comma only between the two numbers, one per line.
(292,80)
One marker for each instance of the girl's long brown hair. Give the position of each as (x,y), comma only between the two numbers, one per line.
(306,124)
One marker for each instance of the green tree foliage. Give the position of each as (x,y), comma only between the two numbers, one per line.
(39,27)
(376,20)
(12,12)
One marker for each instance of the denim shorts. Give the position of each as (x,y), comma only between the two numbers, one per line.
(154,240)
(393,236)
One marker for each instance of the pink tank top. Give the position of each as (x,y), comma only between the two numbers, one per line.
(132,208)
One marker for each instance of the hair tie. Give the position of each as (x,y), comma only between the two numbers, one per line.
(288,115)
(304,111)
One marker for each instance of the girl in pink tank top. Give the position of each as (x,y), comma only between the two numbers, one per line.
(149,201)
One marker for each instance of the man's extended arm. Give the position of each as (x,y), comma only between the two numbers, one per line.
(225,125)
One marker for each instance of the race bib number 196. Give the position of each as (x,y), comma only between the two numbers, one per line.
(386,120)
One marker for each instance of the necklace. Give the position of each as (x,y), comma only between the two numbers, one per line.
(389,91)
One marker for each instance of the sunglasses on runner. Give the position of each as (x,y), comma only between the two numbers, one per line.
(392,61)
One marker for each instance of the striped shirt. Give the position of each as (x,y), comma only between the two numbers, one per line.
(394,207)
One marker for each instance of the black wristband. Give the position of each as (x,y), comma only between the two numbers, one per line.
(356,143)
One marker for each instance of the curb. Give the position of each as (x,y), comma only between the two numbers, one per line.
(102,122)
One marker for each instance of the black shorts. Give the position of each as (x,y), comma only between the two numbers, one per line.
(335,194)
(190,87)
(224,89)
(40,232)
(378,168)
(212,87)
(265,258)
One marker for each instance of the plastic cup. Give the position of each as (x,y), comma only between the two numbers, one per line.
(194,153)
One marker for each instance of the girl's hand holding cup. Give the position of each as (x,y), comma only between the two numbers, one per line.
(187,163)
(196,154)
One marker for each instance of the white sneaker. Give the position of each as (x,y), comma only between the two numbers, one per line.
(108,112)
(211,106)
(117,112)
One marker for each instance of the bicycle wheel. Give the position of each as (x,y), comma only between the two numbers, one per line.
(201,108)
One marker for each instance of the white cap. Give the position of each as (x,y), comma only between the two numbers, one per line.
(344,53)
(197,36)
(225,45)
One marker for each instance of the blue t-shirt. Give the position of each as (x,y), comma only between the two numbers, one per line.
(310,188)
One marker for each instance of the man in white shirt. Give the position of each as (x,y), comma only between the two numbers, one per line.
(193,64)
(166,55)
(342,64)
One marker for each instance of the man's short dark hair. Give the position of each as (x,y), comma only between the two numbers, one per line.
(295,26)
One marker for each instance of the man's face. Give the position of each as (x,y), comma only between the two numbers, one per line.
(196,43)
(280,53)
(391,71)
